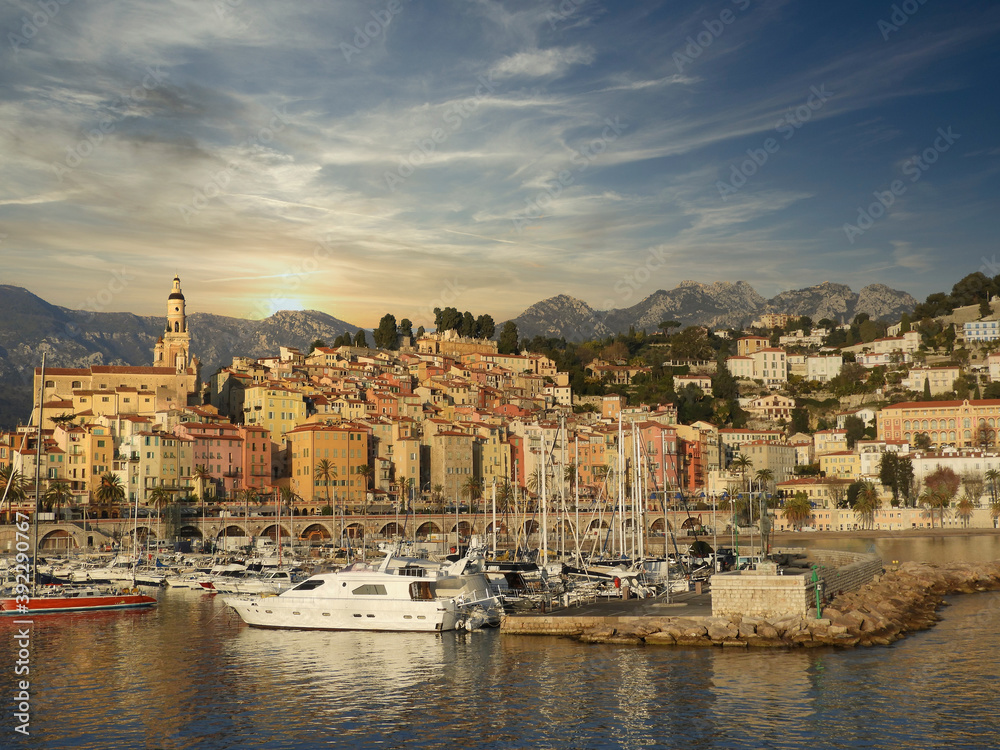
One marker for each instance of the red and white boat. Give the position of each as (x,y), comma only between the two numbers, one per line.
(59,599)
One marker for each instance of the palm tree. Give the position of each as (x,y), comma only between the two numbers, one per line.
(437,497)
(743,463)
(366,473)
(325,473)
(764,479)
(17,483)
(200,475)
(110,491)
(505,495)
(935,497)
(992,478)
(867,503)
(159,497)
(406,491)
(995,507)
(798,509)
(534,481)
(56,494)
(964,508)
(474,489)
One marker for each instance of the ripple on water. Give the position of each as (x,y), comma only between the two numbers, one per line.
(189,675)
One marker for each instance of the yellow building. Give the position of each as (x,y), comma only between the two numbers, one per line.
(275,408)
(960,423)
(346,448)
(841,465)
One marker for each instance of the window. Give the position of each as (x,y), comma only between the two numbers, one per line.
(370,589)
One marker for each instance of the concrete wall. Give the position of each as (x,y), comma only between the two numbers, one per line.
(752,595)
(756,594)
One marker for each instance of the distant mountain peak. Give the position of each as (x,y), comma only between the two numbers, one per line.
(720,304)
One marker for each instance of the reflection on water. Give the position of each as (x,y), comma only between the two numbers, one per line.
(934,549)
(190,675)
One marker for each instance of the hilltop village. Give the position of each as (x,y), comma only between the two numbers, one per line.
(831,426)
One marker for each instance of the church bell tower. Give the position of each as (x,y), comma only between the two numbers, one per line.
(173,347)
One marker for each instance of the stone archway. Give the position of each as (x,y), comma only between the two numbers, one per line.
(316,532)
(60,540)
(426,529)
(274,530)
(391,529)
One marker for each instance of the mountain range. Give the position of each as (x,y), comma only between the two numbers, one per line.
(718,305)
(30,326)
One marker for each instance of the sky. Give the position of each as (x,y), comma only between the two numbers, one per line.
(396,156)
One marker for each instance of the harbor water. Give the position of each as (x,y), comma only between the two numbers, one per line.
(189,674)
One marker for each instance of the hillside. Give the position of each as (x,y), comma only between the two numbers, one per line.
(30,326)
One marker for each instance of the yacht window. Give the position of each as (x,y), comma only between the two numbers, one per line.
(421,590)
(370,589)
(310,584)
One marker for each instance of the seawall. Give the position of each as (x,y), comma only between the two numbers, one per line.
(904,599)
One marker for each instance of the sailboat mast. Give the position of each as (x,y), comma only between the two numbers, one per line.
(545,517)
(621,487)
(38,474)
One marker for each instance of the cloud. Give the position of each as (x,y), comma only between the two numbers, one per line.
(542,63)
(911,258)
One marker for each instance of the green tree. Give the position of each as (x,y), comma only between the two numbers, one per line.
(867,504)
(406,328)
(743,464)
(17,483)
(800,420)
(927,389)
(922,441)
(508,338)
(904,324)
(964,508)
(316,344)
(473,488)
(888,466)
(724,385)
(55,496)
(798,509)
(992,477)
(941,486)
(764,478)
(855,427)
(110,491)
(485,327)
(467,327)
(159,498)
(360,340)
(325,473)
(385,334)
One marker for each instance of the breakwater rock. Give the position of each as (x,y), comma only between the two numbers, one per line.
(902,600)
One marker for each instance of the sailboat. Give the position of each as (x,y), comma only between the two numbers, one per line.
(31,599)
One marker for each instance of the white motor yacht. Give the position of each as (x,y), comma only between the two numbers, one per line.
(366,597)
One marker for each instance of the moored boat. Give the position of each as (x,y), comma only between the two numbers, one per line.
(72,598)
(365,597)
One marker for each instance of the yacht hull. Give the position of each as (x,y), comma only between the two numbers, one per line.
(307,614)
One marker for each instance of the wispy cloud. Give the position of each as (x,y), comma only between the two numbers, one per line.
(260,143)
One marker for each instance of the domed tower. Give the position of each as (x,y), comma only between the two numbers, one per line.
(173,348)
